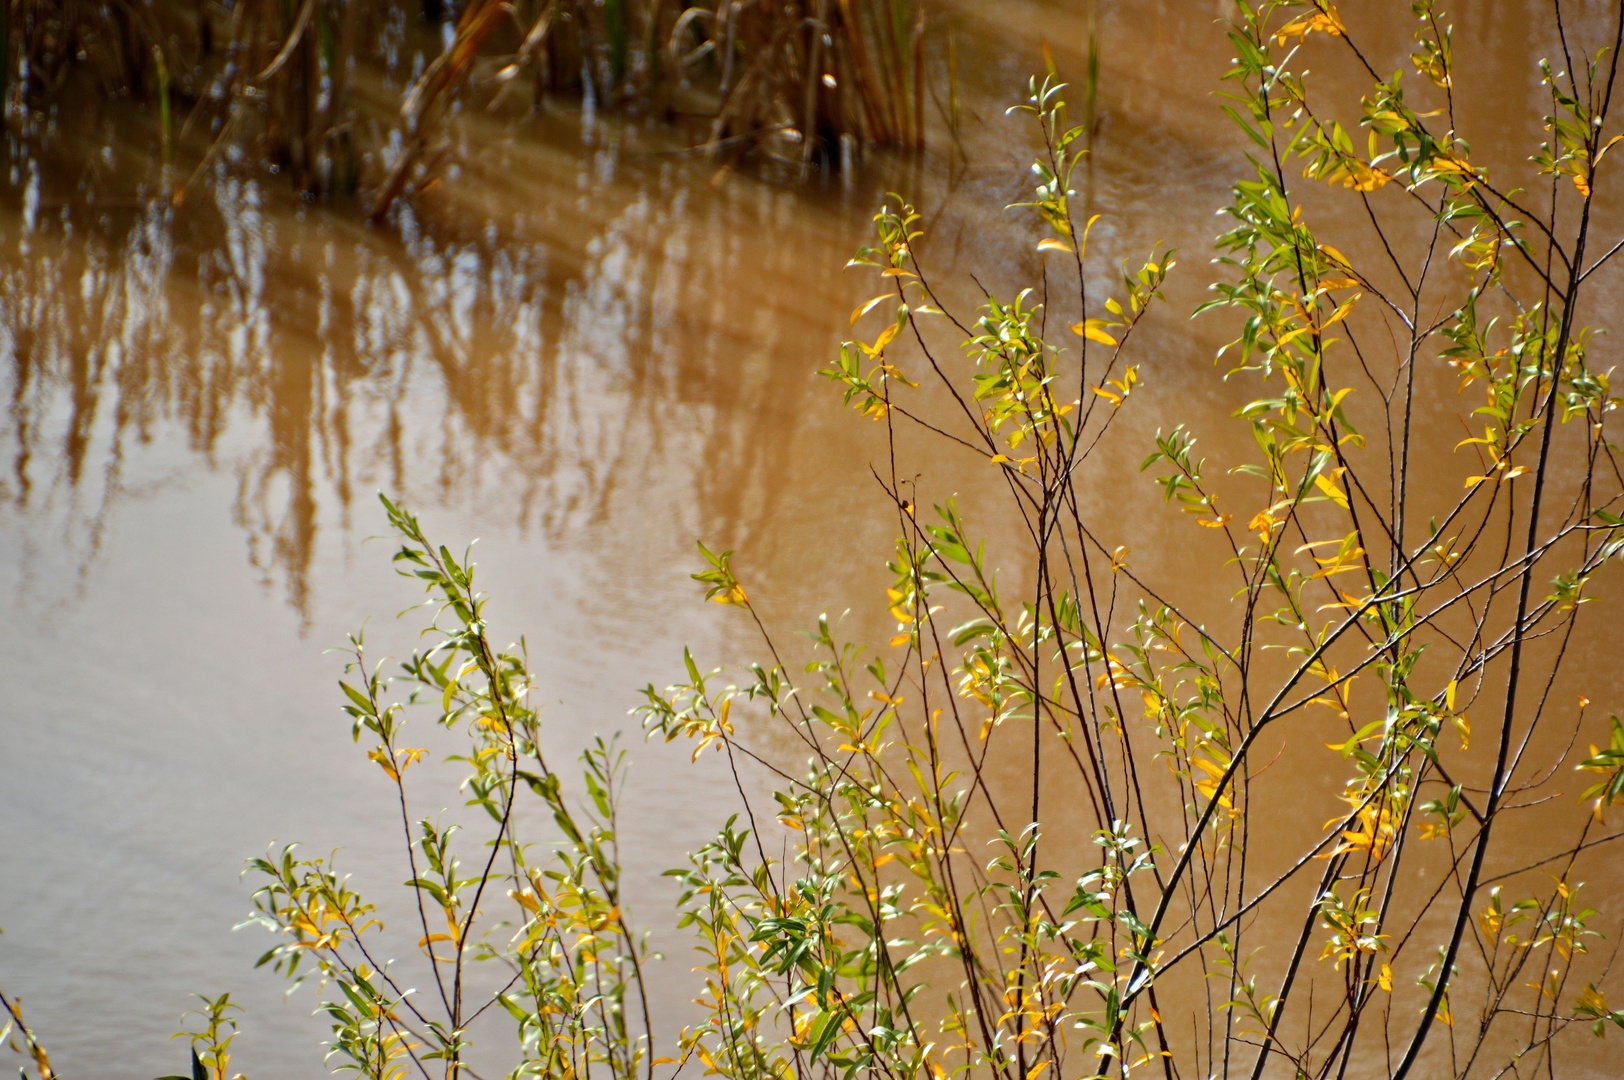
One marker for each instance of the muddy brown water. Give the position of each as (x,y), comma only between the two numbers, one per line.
(586,350)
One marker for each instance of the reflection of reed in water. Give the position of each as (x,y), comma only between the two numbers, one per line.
(576,367)
(346,95)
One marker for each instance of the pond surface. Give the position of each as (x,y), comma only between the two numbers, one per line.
(584,348)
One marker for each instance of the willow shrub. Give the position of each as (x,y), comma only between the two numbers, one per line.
(932,920)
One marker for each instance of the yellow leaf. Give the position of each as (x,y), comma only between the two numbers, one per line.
(900,640)
(1334,255)
(885,338)
(1581,186)
(868,306)
(1385,979)
(1366,178)
(734,595)
(1217,524)
(1449,694)
(1052,244)
(1342,311)
(1346,602)
(1087,228)
(382,758)
(1093,330)
(1325,21)
(1292,335)
(1332,492)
